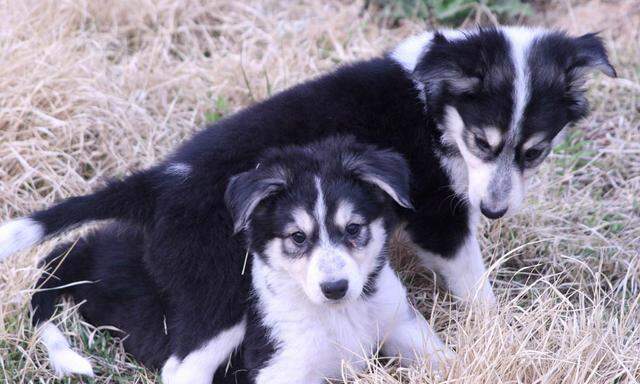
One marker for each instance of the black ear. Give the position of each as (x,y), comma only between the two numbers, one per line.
(442,69)
(246,190)
(591,54)
(385,169)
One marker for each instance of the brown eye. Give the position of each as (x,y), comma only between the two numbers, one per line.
(353,229)
(482,144)
(532,154)
(298,237)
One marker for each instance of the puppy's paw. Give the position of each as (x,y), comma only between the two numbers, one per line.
(63,359)
(442,359)
(169,370)
(66,362)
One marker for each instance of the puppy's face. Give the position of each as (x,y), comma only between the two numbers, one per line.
(328,235)
(502,96)
(325,226)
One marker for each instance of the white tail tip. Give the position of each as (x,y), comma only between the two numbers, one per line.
(19,234)
(63,359)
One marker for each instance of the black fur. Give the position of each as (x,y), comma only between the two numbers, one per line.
(119,288)
(116,287)
(189,248)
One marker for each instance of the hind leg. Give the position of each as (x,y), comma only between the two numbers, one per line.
(62,358)
(117,292)
(64,361)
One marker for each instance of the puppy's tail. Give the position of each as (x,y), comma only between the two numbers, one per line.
(65,267)
(131,199)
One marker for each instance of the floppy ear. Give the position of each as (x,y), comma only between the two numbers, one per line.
(246,190)
(589,55)
(443,72)
(385,169)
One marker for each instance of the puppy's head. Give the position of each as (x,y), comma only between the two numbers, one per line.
(500,97)
(320,215)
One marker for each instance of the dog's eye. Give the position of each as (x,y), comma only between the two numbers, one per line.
(532,154)
(298,237)
(482,144)
(353,229)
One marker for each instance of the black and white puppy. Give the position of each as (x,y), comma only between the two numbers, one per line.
(473,112)
(317,221)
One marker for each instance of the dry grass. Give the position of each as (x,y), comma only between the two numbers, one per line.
(93,89)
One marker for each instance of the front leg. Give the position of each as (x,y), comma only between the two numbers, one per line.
(290,367)
(446,242)
(407,335)
(413,340)
(463,272)
(198,264)
(200,365)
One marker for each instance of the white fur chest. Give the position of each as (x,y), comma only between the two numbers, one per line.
(312,340)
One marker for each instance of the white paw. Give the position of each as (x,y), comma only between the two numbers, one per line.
(66,362)
(483,297)
(442,359)
(169,370)
(63,359)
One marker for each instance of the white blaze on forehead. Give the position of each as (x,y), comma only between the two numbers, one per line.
(320,213)
(520,39)
(303,220)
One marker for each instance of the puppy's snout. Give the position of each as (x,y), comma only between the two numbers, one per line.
(335,290)
(493,211)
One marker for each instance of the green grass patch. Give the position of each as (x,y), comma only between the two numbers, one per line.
(453,12)
(218,112)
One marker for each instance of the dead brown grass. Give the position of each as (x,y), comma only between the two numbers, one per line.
(93,89)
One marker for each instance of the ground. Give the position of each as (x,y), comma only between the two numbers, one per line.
(94,89)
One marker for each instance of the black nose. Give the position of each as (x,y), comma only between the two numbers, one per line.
(335,290)
(491,213)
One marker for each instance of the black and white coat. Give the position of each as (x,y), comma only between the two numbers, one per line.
(473,112)
(317,220)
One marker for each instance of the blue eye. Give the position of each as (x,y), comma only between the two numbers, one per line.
(353,229)
(298,237)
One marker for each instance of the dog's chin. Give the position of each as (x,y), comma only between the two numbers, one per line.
(337,304)
(329,303)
